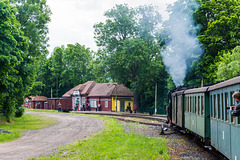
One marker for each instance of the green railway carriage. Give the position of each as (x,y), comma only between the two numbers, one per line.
(225,129)
(197,111)
(178,108)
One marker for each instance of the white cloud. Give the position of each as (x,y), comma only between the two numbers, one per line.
(72,20)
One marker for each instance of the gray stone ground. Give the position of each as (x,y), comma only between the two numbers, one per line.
(44,141)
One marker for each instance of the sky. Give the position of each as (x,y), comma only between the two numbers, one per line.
(72,20)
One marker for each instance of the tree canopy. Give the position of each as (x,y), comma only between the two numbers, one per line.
(15,72)
(129,40)
(219,33)
(34,15)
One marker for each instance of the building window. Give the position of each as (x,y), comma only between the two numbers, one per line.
(83,100)
(106,103)
(93,103)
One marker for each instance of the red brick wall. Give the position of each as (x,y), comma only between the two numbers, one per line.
(52,104)
(66,103)
(101,100)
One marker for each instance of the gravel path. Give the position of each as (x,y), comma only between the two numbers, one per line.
(44,141)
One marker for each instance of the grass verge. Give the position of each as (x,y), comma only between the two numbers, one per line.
(26,122)
(113,143)
(42,110)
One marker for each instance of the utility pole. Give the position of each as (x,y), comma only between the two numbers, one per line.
(51,92)
(116,98)
(156,99)
(57,85)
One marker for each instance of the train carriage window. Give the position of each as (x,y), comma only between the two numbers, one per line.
(195,106)
(190,106)
(222,101)
(202,105)
(214,106)
(226,105)
(232,104)
(211,106)
(238,120)
(218,106)
(186,102)
(199,105)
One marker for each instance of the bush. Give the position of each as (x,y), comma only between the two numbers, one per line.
(19,111)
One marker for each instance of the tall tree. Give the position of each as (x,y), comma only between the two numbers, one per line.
(219,33)
(229,64)
(57,69)
(128,37)
(33,16)
(76,60)
(15,71)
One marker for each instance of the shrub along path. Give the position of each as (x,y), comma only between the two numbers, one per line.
(44,141)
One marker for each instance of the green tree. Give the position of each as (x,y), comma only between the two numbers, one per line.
(219,33)
(128,38)
(76,60)
(229,64)
(98,68)
(34,16)
(57,69)
(15,72)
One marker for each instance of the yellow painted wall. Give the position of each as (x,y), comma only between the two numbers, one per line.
(118,103)
(126,104)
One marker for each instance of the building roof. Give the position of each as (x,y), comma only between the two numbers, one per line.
(93,89)
(102,89)
(82,88)
(36,98)
(122,90)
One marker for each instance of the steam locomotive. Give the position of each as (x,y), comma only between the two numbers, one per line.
(204,112)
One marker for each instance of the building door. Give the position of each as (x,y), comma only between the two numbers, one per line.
(122,106)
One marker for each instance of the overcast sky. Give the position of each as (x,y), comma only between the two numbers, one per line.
(72,20)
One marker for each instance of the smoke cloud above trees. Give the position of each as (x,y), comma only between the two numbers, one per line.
(183,46)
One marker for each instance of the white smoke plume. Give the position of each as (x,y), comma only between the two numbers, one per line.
(183,46)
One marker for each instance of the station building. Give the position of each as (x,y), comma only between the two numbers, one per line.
(105,94)
(35,102)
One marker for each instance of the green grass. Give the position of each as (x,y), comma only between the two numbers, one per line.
(42,110)
(26,122)
(113,143)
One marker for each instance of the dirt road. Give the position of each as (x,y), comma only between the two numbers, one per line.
(44,141)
